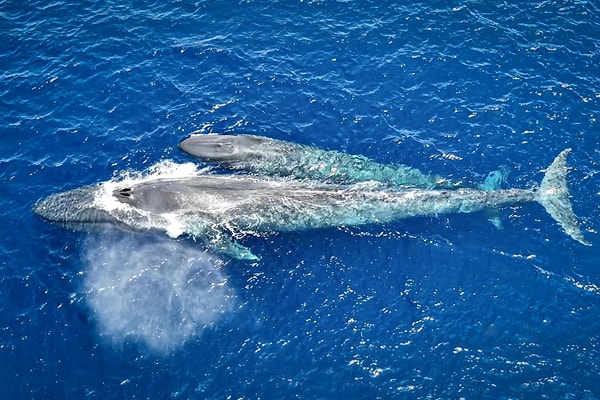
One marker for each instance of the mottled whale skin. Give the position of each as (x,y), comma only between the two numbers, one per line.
(264,156)
(220,208)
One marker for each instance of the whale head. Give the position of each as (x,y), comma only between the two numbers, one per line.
(223,148)
(74,209)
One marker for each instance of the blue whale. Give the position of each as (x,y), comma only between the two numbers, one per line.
(264,156)
(220,209)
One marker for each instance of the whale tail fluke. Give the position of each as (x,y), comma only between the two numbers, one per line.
(554,196)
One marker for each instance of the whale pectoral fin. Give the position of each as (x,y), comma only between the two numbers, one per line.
(220,241)
(228,247)
(232,249)
(494,181)
(493,216)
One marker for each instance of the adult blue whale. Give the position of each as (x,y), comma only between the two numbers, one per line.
(264,156)
(220,209)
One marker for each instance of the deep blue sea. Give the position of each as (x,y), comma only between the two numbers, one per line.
(426,308)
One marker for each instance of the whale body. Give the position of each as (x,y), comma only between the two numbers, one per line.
(264,156)
(219,209)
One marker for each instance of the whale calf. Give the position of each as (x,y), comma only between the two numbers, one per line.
(219,209)
(264,156)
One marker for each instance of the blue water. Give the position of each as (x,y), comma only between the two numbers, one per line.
(445,307)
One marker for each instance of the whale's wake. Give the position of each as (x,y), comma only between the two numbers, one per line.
(152,290)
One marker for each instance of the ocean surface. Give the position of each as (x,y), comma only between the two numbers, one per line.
(440,307)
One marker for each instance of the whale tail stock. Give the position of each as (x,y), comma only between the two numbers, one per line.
(554,195)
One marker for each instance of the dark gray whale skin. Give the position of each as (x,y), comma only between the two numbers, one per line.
(264,156)
(218,208)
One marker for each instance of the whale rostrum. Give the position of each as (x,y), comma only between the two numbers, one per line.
(220,209)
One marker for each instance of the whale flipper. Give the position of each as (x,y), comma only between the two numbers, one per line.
(218,239)
(231,248)
(554,196)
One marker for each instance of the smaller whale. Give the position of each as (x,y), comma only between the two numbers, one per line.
(270,157)
(219,209)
